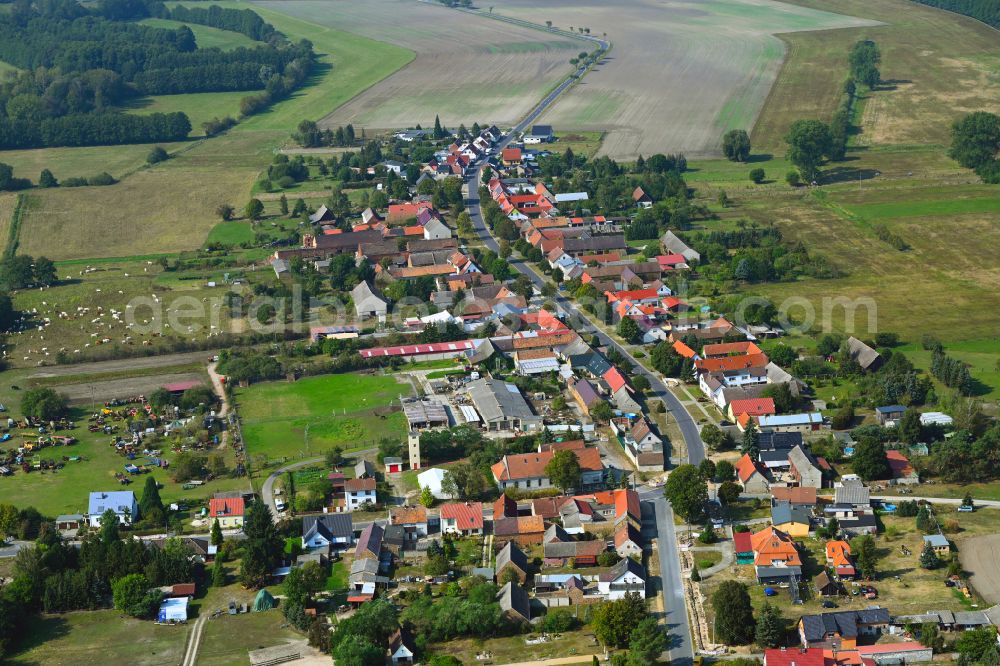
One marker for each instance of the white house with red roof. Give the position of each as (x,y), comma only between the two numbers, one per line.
(464,518)
(228,511)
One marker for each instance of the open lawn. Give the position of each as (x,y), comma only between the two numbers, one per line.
(513,649)
(936,66)
(307,417)
(466,68)
(982,357)
(199,107)
(100,637)
(8,205)
(205,36)
(79,162)
(679,74)
(227,638)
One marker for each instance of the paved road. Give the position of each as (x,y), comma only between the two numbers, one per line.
(681,650)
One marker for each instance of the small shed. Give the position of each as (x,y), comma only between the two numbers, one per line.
(889,413)
(743,547)
(939,543)
(264,601)
(826,586)
(393,465)
(174,609)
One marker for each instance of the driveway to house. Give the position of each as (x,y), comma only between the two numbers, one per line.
(267,490)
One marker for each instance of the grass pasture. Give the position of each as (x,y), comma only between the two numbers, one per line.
(680,74)
(465,68)
(205,36)
(307,417)
(199,107)
(937,66)
(79,162)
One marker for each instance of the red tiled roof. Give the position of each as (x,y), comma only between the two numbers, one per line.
(626,533)
(899,463)
(627,503)
(746,466)
(732,362)
(511,155)
(771,544)
(684,350)
(408,515)
(753,406)
(795,495)
(359,485)
(226,507)
(731,348)
(794,657)
(532,465)
(467,515)
(742,543)
(615,379)
(634,295)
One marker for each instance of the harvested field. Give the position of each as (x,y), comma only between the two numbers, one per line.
(980,558)
(144,214)
(680,73)
(83,393)
(936,66)
(8,204)
(467,69)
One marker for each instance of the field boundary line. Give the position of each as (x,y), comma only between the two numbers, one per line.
(13,236)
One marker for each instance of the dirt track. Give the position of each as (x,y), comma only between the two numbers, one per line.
(120,365)
(981,557)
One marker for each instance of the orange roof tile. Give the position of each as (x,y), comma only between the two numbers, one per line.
(467,515)
(771,544)
(408,515)
(746,467)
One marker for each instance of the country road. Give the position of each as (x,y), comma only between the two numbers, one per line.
(681,652)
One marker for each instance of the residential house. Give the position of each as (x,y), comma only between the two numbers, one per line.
(902,471)
(559,548)
(539,134)
(527,470)
(368,302)
(752,475)
(940,544)
(228,511)
(400,649)
(370,543)
(122,502)
(805,422)
(628,543)
(413,520)
(641,199)
(804,469)
(514,603)
(364,469)
(792,520)
(510,557)
(463,518)
(889,414)
(508,526)
(750,407)
(584,394)
(851,497)
(795,495)
(640,443)
(869,359)
(332,531)
(625,577)
(358,492)
(838,558)
(673,244)
(776,557)
(435,229)
(844,629)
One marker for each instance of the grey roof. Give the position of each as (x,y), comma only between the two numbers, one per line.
(778,572)
(803,462)
(867,520)
(364,468)
(367,298)
(785,512)
(587,392)
(971,618)
(514,599)
(331,525)
(864,355)
(370,541)
(498,401)
(485,572)
(624,565)
(852,493)
(937,540)
(511,554)
(481,353)
(541,130)
(364,569)
(609,242)
(778,440)
(890,409)
(675,245)
(593,363)
(394,534)
(321,214)
(556,533)
(843,623)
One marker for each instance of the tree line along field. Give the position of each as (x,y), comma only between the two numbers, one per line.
(171,206)
(309,416)
(679,74)
(466,69)
(936,65)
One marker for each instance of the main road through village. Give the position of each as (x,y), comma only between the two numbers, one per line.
(681,651)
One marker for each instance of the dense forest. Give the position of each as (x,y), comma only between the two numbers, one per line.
(79,65)
(987,11)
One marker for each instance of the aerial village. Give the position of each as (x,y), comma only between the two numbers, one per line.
(542,419)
